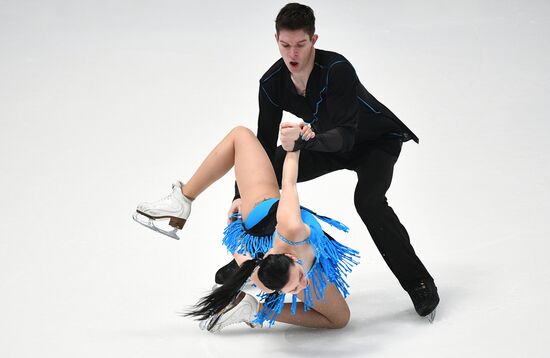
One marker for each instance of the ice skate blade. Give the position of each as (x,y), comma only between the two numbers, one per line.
(204,324)
(431,316)
(148,223)
(176,223)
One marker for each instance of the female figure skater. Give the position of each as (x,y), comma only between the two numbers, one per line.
(277,243)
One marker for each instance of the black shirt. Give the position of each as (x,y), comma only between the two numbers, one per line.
(340,110)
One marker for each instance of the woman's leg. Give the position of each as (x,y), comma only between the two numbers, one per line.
(333,312)
(253,170)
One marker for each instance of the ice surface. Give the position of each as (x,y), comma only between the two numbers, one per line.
(104,104)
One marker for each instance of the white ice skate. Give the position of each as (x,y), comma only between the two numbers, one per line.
(242,312)
(174,207)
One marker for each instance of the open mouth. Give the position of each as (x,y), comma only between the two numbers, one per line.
(293,63)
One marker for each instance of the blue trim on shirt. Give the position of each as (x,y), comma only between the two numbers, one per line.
(366,104)
(269,98)
(273,74)
(264,80)
(324,88)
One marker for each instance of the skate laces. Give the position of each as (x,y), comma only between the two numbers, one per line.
(230,315)
(422,290)
(169,196)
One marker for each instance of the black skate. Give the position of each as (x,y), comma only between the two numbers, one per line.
(425,299)
(226,272)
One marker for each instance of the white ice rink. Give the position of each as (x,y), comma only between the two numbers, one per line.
(104,104)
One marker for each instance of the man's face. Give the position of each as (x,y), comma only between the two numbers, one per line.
(296,48)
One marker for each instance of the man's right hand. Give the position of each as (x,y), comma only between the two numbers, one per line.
(235,208)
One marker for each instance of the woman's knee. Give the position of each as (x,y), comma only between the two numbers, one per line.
(242,131)
(339,318)
(342,320)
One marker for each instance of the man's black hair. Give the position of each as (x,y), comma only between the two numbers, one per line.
(296,16)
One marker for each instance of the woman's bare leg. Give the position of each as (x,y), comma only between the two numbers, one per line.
(253,170)
(333,312)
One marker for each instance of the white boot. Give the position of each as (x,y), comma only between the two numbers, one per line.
(175,207)
(242,312)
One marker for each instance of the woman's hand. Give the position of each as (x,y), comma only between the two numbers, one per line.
(235,208)
(307,132)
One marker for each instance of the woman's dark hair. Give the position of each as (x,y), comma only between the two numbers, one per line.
(273,272)
(296,16)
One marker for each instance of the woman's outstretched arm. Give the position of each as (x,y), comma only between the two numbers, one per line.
(289,219)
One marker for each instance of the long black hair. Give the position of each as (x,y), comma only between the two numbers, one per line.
(272,271)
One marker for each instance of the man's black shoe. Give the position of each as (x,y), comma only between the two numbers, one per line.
(226,272)
(424,296)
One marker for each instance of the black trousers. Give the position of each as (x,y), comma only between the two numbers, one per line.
(373,161)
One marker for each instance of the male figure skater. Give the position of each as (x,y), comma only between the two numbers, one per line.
(346,128)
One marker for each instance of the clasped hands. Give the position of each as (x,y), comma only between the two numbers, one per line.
(290,132)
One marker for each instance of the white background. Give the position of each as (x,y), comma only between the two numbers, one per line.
(104,104)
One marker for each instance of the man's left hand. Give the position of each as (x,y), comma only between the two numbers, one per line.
(291,132)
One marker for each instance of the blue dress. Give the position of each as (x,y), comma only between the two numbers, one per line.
(333,261)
